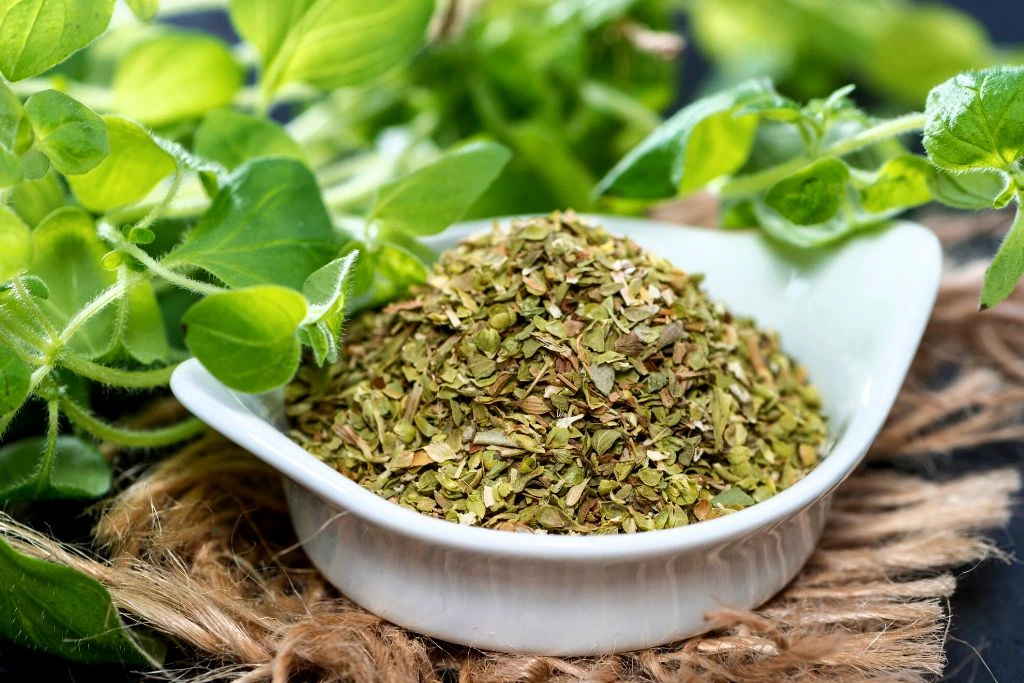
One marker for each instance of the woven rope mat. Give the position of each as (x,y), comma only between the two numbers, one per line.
(200,549)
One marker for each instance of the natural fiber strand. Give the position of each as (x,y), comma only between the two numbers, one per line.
(200,549)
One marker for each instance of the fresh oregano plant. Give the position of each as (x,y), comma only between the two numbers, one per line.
(151,209)
(813,175)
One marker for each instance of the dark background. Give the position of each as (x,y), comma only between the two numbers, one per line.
(986,639)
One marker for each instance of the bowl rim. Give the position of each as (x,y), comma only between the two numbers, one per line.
(222,409)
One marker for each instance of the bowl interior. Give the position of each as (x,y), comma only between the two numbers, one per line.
(852,315)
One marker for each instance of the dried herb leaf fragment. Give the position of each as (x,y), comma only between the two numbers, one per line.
(552,377)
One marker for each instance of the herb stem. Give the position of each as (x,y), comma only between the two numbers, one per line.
(84,314)
(1018,179)
(16,330)
(123,310)
(38,375)
(907,123)
(111,235)
(52,432)
(14,343)
(188,207)
(162,205)
(26,297)
(101,301)
(116,377)
(123,436)
(745,185)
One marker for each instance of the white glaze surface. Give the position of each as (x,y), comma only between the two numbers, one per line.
(853,316)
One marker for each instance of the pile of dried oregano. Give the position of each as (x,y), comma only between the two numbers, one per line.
(554,377)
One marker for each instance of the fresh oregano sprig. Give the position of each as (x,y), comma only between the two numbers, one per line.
(814,174)
(163,214)
(269,263)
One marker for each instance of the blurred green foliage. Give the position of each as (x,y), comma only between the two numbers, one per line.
(568,85)
(893,49)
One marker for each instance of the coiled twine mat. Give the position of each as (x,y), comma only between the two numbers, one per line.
(200,549)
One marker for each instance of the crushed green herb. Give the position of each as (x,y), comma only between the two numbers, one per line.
(553,377)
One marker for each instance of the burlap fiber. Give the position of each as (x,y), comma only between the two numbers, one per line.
(200,549)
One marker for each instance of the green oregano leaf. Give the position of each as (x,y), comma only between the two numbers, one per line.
(10,169)
(112,260)
(836,102)
(837,228)
(38,34)
(361,276)
(33,200)
(75,469)
(975,121)
(143,334)
(231,138)
(974,191)
(901,182)
(130,171)
(15,137)
(701,142)
(72,136)
(144,10)
(176,76)
(247,338)
(15,376)
(15,131)
(265,23)
(431,198)
(772,107)
(331,43)
(811,195)
(140,235)
(268,225)
(553,163)
(66,256)
(322,341)
(326,292)
(15,245)
(325,288)
(735,214)
(34,164)
(383,273)
(36,287)
(1007,267)
(71,614)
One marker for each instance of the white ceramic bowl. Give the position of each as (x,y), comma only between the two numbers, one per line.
(853,316)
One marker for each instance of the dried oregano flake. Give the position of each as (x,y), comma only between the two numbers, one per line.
(553,377)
